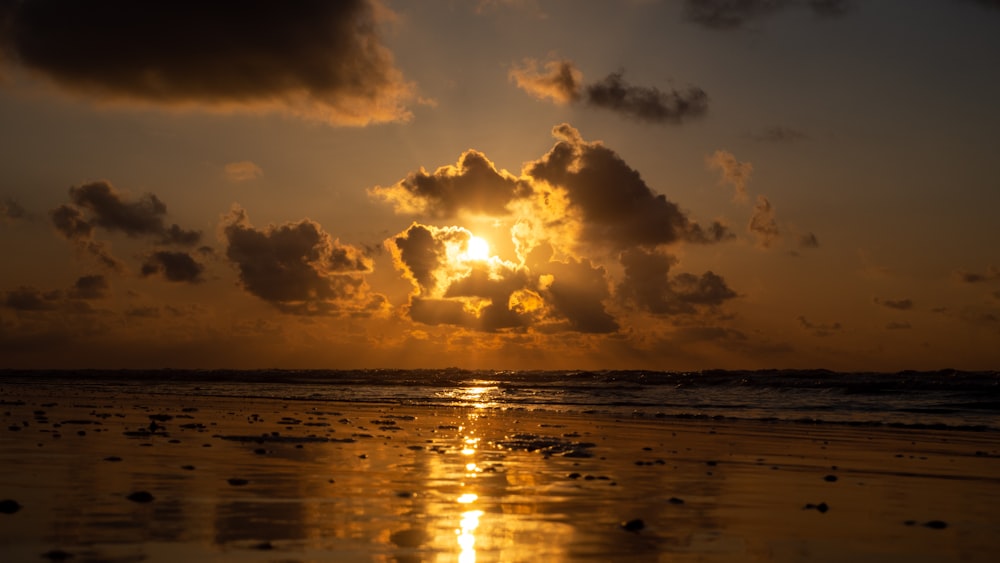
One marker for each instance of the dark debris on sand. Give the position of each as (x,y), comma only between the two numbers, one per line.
(633,525)
(9,506)
(141,496)
(821,507)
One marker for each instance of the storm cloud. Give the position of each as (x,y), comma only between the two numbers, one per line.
(312,58)
(298,267)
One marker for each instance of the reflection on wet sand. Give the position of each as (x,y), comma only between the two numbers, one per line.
(267,480)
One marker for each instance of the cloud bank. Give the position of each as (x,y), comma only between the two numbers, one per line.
(316,59)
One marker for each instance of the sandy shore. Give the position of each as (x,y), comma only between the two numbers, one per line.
(95,477)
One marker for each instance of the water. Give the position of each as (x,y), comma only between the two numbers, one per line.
(946,399)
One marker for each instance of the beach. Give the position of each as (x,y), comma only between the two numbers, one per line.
(93,475)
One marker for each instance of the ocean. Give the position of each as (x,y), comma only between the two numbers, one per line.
(944,400)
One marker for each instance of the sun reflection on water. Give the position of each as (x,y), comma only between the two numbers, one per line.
(470,518)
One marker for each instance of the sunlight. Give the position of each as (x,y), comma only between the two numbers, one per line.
(477,249)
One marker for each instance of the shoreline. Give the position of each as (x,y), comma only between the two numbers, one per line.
(383,482)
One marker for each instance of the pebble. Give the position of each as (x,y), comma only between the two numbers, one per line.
(633,525)
(8,506)
(821,507)
(140,496)
(237,482)
(936,524)
(830,478)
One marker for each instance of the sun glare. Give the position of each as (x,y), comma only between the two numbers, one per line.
(478,249)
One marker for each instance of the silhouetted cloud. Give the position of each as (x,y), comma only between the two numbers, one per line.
(647,103)
(90,287)
(778,134)
(649,287)
(299,268)
(11,210)
(560,81)
(174,266)
(897,304)
(312,58)
(473,185)
(734,172)
(71,224)
(763,223)
(820,330)
(992,274)
(618,209)
(27,298)
(113,212)
(577,290)
(243,171)
(808,240)
(732,14)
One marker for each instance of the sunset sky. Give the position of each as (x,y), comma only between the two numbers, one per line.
(673,184)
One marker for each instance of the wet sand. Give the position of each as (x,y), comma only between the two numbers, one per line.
(97,477)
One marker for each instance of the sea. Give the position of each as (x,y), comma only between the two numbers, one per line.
(943,399)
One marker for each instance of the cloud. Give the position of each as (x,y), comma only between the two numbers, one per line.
(779,134)
(897,304)
(733,14)
(808,240)
(897,326)
(299,268)
(648,104)
(734,172)
(70,223)
(112,211)
(992,274)
(315,59)
(174,266)
(763,223)
(11,210)
(577,291)
(560,81)
(472,185)
(819,330)
(616,207)
(90,287)
(243,171)
(648,286)
(26,298)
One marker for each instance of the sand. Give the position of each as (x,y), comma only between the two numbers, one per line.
(97,477)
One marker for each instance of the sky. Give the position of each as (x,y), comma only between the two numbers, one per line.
(500,184)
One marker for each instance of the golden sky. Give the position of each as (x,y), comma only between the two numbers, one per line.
(672,184)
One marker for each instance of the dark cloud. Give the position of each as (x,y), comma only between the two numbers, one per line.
(992,274)
(808,240)
(733,14)
(90,287)
(317,59)
(649,287)
(576,291)
(113,212)
(618,209)
(778,134)
(11,210)
(560,81)
(26,298)
(646,103)
(495,286)
(897,304)
(175,266)
(299,268)
(72,225)
(420,254)
(763,223)
(473,184)
(819,330)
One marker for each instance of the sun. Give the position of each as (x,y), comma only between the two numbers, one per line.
(477,249)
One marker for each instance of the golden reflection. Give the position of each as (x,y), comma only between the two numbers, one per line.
(467,536)
(467,498)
